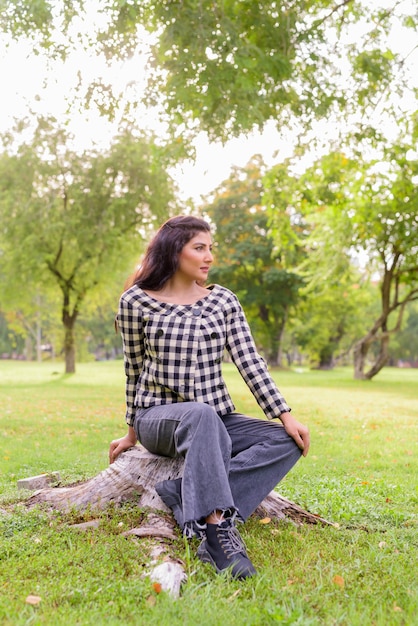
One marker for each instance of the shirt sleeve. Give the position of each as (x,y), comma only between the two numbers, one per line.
(252,367)
(129,322)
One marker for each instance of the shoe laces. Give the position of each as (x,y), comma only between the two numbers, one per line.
(230,541)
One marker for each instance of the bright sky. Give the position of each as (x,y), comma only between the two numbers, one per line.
(28,88)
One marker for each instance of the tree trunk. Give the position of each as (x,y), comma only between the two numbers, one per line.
(381,359)
(326,358)
(281,338)
(360,352)
(390,292)
(69,349)
(69,319)
(133,476)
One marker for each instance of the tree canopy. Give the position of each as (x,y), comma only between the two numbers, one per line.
(360,213)
(71,219)
(248,261)
(227,66)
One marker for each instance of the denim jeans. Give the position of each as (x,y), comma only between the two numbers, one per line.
(230,462)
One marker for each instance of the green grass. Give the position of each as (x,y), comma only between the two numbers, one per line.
(361,474)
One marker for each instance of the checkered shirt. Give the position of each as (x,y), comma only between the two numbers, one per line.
(173,353)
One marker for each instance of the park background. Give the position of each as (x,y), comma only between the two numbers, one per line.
(291,127)
(115,115)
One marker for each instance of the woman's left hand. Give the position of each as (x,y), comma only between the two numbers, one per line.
(297,431)
(117,446)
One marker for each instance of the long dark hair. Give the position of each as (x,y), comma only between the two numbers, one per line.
(162,255)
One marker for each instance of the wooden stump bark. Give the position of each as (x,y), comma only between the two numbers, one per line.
(133,476)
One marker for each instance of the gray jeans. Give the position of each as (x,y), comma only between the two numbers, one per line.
(231,462)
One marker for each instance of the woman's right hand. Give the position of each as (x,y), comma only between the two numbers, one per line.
(117,446)
(297,431)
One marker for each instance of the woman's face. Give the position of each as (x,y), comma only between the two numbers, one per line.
(196,258)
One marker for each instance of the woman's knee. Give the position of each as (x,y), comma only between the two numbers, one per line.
(277,437)
(198,415)
(199,409)
(201,422)
(289,448)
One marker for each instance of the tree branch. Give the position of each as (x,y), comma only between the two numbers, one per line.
(331,13)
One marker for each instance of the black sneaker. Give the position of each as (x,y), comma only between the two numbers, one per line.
(224,549)
(170,493)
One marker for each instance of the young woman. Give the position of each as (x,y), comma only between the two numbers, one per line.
(175,331)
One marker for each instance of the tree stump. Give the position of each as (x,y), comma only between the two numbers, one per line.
(133,476)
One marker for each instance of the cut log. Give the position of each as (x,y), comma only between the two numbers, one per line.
(133,476)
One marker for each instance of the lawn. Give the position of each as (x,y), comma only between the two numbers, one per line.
(361,474)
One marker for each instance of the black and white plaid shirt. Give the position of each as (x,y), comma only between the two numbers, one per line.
(173,353)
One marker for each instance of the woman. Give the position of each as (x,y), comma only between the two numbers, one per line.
(174,332)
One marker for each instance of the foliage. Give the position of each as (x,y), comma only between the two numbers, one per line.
(360,474)
(96,324)
(330,319)
(325,316)
(227,66)
(404,346)
(358,212)
(11,342)
(247,259)
(72,219)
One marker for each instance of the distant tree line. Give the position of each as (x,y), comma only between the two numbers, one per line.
(321,266)
(322,248)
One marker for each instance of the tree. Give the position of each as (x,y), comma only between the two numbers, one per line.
(71,219)
(247,259)
(228,66)
(387,229)
(330,318)
(364,210)
(327,315)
